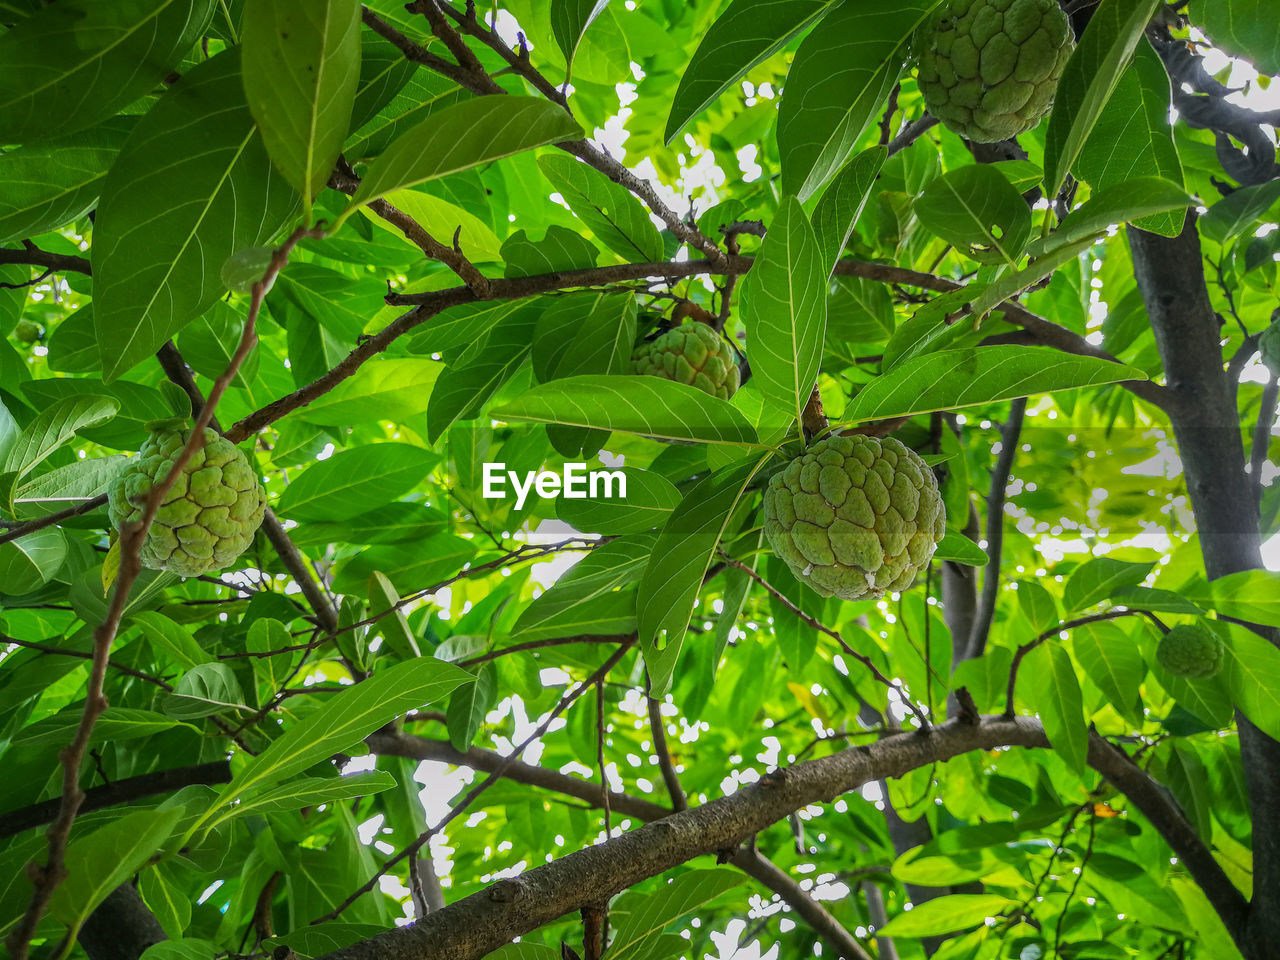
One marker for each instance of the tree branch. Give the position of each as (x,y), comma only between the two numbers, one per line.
(468,929)
(1009,436)
(42,258)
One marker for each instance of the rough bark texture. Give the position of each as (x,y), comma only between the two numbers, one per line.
(121,928)
(468,929)
(1207,428)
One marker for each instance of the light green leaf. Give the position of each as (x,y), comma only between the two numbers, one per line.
(60,487)
(468,706)
(1252,672)
(389,389)
(946,915)
(393,627)
(609,210)
(51,429)
(960,549)
(1091,75)
(1113,661)
(569,21)
(464,136)
(167,637)
(205,689)
(838,82)
(310,792)
(1238,213)
(115,724)
(588,598)
(649,500)
(99,862)
(188,948)
(1096,580)
(346,718)
(32,560)
(842,203)
(301,70)
(442,220)
(1242,28)
(977,210)
(157,262)
(345,485)
(649,406)
(640,917)
(67,68)
(959,378)
(1123,202)
(1047,681)
(680,558)
(1252,595)
(784,310)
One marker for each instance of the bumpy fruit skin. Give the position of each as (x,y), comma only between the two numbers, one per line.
(1191,650)
(1269,344)
(693,354)
(211,513)
(854,517)
(989,68)
(27,331)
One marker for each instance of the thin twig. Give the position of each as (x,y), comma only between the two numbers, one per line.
(47,878)
(660,750)
(1009,437)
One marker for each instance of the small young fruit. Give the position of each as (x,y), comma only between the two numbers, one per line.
(210,514)
(27,331)
(693,354)
(1191,650)
(989,69)
(855,517)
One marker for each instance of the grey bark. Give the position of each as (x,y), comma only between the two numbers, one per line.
(121,928)
(1207,428)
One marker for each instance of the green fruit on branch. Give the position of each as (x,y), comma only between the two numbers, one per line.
(854,517)
(1269,344)
(693,354)
(1191,650)
(208,517)
(989,69)
(27,331)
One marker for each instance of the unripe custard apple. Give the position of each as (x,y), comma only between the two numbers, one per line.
(210,514)
(693,354)
(989,68)
(1191,650)
(854,517)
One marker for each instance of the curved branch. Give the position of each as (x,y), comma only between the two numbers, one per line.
(35,257)
(468,929)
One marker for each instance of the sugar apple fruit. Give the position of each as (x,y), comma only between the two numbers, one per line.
(1191,650)
(989,68)
(854,517)
(693,354)
(211,512)
(1269,344)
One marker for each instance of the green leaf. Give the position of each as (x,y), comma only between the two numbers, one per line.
(608,209)
(1238,213)
(1091,75)
(301,70)
(466,385)
(65,69)
(784,310)
(842,203)
(638,918)
(394,389)
(746,34)
(347,483)
(680,558)
(51,429)
(205,689)
(55,489)
(345,718)
(341,305)
(1123,202)
(468,706)
(977,210)
(1253,676)
(32,560)
(1252,595)
(960,549)
(1133,137)
(1242,28)
(649,500)
(393,627)
(948,914)
(1098,579)
(838,82)
(569,21)
(649,406)
(115,724)
(170,215)
(464,136)
(98,863)
(1113,661)
(1047,680)
(310,792)
(442,220)
(560,250)
(588,599)
(960,378)
(188,948)
(51,184)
